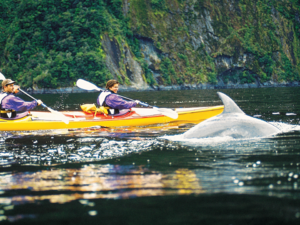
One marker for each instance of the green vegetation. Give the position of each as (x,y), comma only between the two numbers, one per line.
(148,75)
(52,43)
(158,4)
(239,76)
(270,34)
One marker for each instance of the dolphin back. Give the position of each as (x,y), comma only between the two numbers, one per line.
(232,125)
(232,122)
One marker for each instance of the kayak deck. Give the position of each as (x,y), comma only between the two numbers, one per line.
(136,117)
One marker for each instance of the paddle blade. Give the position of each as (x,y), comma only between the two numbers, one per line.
(2,77)
(167,112)
(83,84)
(59,115)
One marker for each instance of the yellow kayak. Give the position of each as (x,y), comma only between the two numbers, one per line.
(133,118)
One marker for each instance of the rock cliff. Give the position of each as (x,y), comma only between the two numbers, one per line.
(151,44)
(225,43)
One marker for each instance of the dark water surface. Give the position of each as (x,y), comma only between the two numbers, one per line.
(131,176)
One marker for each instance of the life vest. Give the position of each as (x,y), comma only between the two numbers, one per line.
(6,113)
(101,101)
(91,108)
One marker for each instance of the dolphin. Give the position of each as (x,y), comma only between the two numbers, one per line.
(232,122)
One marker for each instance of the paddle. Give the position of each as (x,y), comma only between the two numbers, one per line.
(2,77)
(83,84)
(59,115)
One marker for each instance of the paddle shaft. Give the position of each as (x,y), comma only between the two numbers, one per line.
(141,103)
(59,114)
(32,97)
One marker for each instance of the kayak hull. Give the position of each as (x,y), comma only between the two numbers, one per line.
(136,117)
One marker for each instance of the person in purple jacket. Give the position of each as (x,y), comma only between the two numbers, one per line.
(10,104)
(109,99)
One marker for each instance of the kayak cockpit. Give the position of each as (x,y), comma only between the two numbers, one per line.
(19,116)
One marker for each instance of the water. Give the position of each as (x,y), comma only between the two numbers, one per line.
(131,176)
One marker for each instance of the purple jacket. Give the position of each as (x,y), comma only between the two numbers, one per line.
(115,102)
(17,104)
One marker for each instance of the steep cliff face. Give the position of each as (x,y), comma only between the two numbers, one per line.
(122,66)
(238,41)
(150,43)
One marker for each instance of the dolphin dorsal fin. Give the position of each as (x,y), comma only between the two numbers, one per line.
(229,105)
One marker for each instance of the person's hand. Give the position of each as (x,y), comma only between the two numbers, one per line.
(16,89)
(137,101)
(39,102)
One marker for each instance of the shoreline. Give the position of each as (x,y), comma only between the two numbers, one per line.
(220,85)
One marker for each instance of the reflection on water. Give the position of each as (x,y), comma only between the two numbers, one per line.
(96,181)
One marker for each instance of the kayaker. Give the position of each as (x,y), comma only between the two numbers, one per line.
(115,103)
(10,104)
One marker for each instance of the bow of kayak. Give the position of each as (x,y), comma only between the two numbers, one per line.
(135,117)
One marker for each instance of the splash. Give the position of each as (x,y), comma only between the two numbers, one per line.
(286,128)
(52,150)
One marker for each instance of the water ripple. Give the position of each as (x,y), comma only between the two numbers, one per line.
(48,149)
